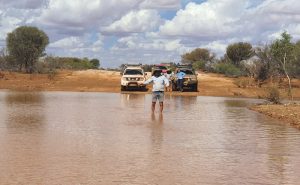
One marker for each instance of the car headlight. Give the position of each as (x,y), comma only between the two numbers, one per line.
(124,79)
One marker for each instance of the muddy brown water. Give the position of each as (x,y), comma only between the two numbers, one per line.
(101,138)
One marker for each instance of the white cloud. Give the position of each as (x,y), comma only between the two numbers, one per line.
(148,43)
(294,30)
(22,4)
(217,47)
(245,19)
(77,45)
(135,21)
(67,43)
(160,4)
(269,17)
(213,19)
(214,24)
(7,24)
(119,30)
(77,16)
(84,14)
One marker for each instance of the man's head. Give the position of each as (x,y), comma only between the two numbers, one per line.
(157,73)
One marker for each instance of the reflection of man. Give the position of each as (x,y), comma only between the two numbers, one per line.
(180,75)
(159,83)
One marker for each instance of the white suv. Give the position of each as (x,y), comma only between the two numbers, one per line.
(133,77)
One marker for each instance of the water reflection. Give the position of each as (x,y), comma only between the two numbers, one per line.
(180,102)
(157,129)
(236,103)
(101,138)
(22,131)
(278,149)
(24,109)
(24,98)
(131,100)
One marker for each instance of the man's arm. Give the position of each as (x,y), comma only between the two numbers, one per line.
(148,81)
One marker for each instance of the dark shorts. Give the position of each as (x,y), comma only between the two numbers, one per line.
(158,95)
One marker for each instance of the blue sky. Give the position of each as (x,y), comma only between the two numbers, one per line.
(149,31)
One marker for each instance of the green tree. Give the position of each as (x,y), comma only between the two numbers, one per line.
(283,51)
(267,68)
(95,63)
(198,54)
(199,65)
(239,51)
(2,59)
(296,68)
(147,67)
(26,44)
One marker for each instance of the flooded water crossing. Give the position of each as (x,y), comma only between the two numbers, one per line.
(102,138)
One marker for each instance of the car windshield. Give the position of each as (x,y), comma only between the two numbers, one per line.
(161,67)
(187,71)
(133,72)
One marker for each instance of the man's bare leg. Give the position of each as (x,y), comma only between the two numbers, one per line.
(161,105)
(153,106)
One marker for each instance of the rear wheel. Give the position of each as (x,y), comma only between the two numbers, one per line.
(174,87)
(195,88)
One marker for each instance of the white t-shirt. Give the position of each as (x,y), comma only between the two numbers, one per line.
(159,83)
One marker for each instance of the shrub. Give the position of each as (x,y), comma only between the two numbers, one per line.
(262,73)
(228,69)
(8,63)
(273,95)
(51,74)
(242,82)
(71,63)
(199,65)
(95,63)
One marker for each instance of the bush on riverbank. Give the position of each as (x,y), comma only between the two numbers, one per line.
(273,95)
(50,64)
(227,69)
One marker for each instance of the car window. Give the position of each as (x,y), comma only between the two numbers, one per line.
(162,67)
(188,72)
(133,72)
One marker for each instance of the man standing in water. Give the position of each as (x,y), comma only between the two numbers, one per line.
(159,83)
(180,76)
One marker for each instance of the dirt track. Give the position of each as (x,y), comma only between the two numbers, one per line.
(109,81)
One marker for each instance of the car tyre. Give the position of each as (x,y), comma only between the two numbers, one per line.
(174,87)
(195,88)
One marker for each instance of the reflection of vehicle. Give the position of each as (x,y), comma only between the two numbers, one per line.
(133,77)
(189,81)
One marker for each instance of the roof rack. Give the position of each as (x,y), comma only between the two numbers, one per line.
(185,66)
(166,64)
(133,65)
